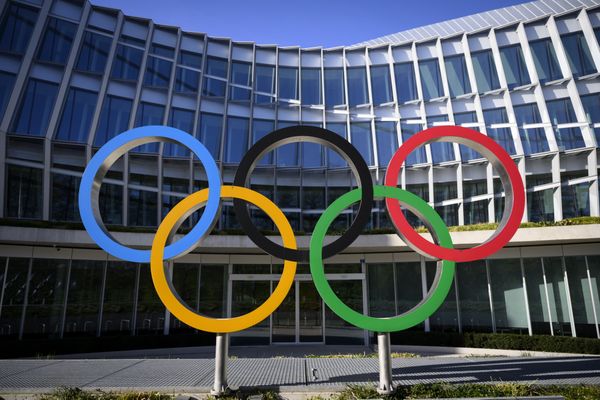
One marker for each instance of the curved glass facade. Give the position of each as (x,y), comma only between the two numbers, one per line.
(72,76)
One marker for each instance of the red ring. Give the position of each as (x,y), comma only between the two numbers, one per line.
(475,253)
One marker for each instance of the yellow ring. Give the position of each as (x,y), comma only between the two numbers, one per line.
(172,301)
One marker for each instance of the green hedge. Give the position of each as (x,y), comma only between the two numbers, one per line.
(557,344)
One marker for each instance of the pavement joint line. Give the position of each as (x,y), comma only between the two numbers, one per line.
(31,369)
(112,373)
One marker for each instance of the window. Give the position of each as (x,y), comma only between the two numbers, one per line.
(575,198)
(458,77)
(16,28)
(561,112)
(288,155)
(84,296)
(311,86)
(149,114)
(24,199)
(114,119)
(467,153)
(406,86)
(418,156)
(533,139)
(540,204)
(158,72)
(240,75)
(431,80)
(236,142)
(6,86)
(502,136)
(264,82)
(387,141)
(162,50)
(260,128)
(444,191)
(514,66)
(333,157)
(111,203)
(312,153)
(591,105)
(476,212)
(440,151)
(211,126)
(34,114)
(361,139)
(143,208)
(449,214)
(508,295)
(127,64)
(117,312)
(471,278)
(334,87)
(190,59)
(578,53)
(546,63)
(215,67)
(381,85)
(76,117)
(186,81)
(182,120)
(485,71)
(288,83)
(94,53)
(357,86)
(56,44)
(64,198)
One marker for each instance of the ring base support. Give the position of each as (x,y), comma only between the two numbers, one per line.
(385,364)
(220,387)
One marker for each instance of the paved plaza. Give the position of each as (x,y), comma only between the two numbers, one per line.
(178,370)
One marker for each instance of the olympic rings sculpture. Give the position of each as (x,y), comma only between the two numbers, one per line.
(164,249)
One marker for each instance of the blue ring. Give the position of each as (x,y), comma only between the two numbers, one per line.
(183,245)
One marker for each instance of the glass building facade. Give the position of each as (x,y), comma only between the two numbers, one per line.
(72,76)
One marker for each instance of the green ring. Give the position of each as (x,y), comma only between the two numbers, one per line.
(436,295)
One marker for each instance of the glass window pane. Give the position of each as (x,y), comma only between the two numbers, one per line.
(514,66)
(76,117)
(114,119)
(162,50)
(6,86)
(473,295)
(431,80)
(557,295)
(158,72)
(45,300)
(440,151)
(240,73)
(213,87)
(111,204)
(334,159)
(361,139)
(561,112)
(264,82)
(213,279)
(236,142)
(190,59)
(211,126)
(24,199)
(184,121)
(143,207)
(409,287)
(578,54)
(418,156)
(338,331)
(508,296)
(581,297)
(185,283)
(149,114)
(575,198)
(150,313)
(311,86)
(334,87)
(260,128)
(186,80)
(83,302)
(64,206)
(288,83)
(13,298)
(381,290)
(119,298)
(16,28)
(94,53)
(591,105)
(449,214)
(246,296)
(467,153)
(485,71)
(445,319)
(546,63)
(594,271)
(216,67)
(502,136)
(476,212)
(458,77)
(536,296)
(387,141)
(58,38)
(406,87)
(380,84)
(127,64)
(533,139)
(288,155)
(33,115)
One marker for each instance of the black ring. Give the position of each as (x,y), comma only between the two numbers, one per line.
(321,136)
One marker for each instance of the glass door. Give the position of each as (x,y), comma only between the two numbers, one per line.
(310,306)
(284,319)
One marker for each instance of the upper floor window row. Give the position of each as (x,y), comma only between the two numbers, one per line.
(16,28)
(57,41)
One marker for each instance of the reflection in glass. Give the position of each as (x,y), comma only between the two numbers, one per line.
(466,152)
(16,28)
(409,287)
(143,207)
(334,87)
(13,298)
(546,63)
(76,116)
(445,319)
(406,86)
(357,86)
(149,114)
(473,295)
(485,71)
(246,296)
(83,302)
(127,64)
(514,66)
(557,295)
(211,126)
(381,86)
(561,112)
(508,295)
(502,136)
(212,299)
(114,119)
(431,80)
(284,319)
(311,313)
(311,86)
(24,199)
(418,156)
(381,289)
(337,330)
(533,139)
(64,206)
(150,312)
(458,77)
(236,140)
(581,296)
(33,115)
(288,83)
(387,141)
(362,140)
(536,296)
(578,54)
(58,38)
(119,297)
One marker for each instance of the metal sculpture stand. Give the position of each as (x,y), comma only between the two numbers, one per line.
(385,364)
(220,387)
